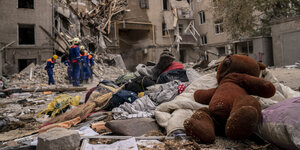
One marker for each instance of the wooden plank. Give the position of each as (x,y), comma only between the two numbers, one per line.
(4,47)
(56,89)
(53,39)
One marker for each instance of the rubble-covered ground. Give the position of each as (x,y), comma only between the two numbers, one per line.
(22,109)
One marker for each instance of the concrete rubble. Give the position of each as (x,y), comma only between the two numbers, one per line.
(36,74)
(88,125)
(58,138)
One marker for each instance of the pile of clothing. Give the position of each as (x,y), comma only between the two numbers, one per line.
(143,90)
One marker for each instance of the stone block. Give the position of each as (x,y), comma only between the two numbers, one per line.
(58,139)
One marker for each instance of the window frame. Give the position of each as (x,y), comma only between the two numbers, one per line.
(202,18)
(218,26)
(203,39)
(34,36)
(164,30)
(25,7)
(144,4)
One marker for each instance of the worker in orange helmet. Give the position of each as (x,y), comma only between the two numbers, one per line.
(49,67)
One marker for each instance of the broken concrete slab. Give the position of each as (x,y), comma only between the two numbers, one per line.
(59,139)
(132,127)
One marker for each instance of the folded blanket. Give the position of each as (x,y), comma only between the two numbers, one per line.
(171,115)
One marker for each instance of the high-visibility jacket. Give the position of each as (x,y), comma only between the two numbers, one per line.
(50,64)
(74,54)
(91,60)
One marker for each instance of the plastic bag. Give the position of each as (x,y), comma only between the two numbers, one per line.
(59,103)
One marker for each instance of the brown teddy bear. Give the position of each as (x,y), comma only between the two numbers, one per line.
(231,108)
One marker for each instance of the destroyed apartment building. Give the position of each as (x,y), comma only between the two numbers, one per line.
(140,35)
(155,74)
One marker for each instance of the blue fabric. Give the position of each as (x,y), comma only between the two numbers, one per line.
(176,74)
(120,98)
(50,75)
(85,71)
(49,65)
(67,63)
(74,53)
(76,73)
(91,61)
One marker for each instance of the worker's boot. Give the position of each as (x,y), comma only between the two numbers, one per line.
(200,126)
(244,117)
(165,60)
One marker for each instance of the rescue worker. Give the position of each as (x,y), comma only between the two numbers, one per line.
(68,64)
(84,70)
(91,65)
(74,57)
(49,67)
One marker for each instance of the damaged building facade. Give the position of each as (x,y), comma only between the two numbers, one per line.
(149,27)
(139,30)
(215,42)
(20,25)
(286,37)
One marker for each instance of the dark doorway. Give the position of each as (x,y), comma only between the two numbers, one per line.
(23,63)
(92,47)
(221,51)
(182,56)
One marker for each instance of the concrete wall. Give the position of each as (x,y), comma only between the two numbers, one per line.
(213,40)
(155,14)
(10,17)
(286,37)
(262,50)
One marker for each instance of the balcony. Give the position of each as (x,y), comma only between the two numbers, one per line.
(188,39)
(185,14)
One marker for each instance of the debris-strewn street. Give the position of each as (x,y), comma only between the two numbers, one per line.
(149,74)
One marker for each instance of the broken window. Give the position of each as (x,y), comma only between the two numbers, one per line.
(221,51)
(144,4)
(180,28)
(26,34)
(26,4)
(164,29)
(182,55)
(202,17)
(203,39)
(165,4)
(219,27)
(23,63)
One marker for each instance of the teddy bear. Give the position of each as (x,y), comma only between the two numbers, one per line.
(232,111)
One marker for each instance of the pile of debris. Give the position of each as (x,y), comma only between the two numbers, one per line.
(101,15)
(36,74)
(88,20)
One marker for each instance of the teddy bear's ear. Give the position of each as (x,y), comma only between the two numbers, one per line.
(262,66)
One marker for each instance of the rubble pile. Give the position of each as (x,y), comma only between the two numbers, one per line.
(95,19)
(38,75)
(101,14)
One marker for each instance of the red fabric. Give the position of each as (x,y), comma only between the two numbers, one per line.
(46,124)
(90,56)
(181,88)
(173,66)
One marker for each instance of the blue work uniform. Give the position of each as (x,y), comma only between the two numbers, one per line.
(91,64)
(68,64)
(85,70)
(74,57)
(49,67)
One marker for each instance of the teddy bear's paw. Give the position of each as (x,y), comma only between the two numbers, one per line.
(242,123)
(200,126)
